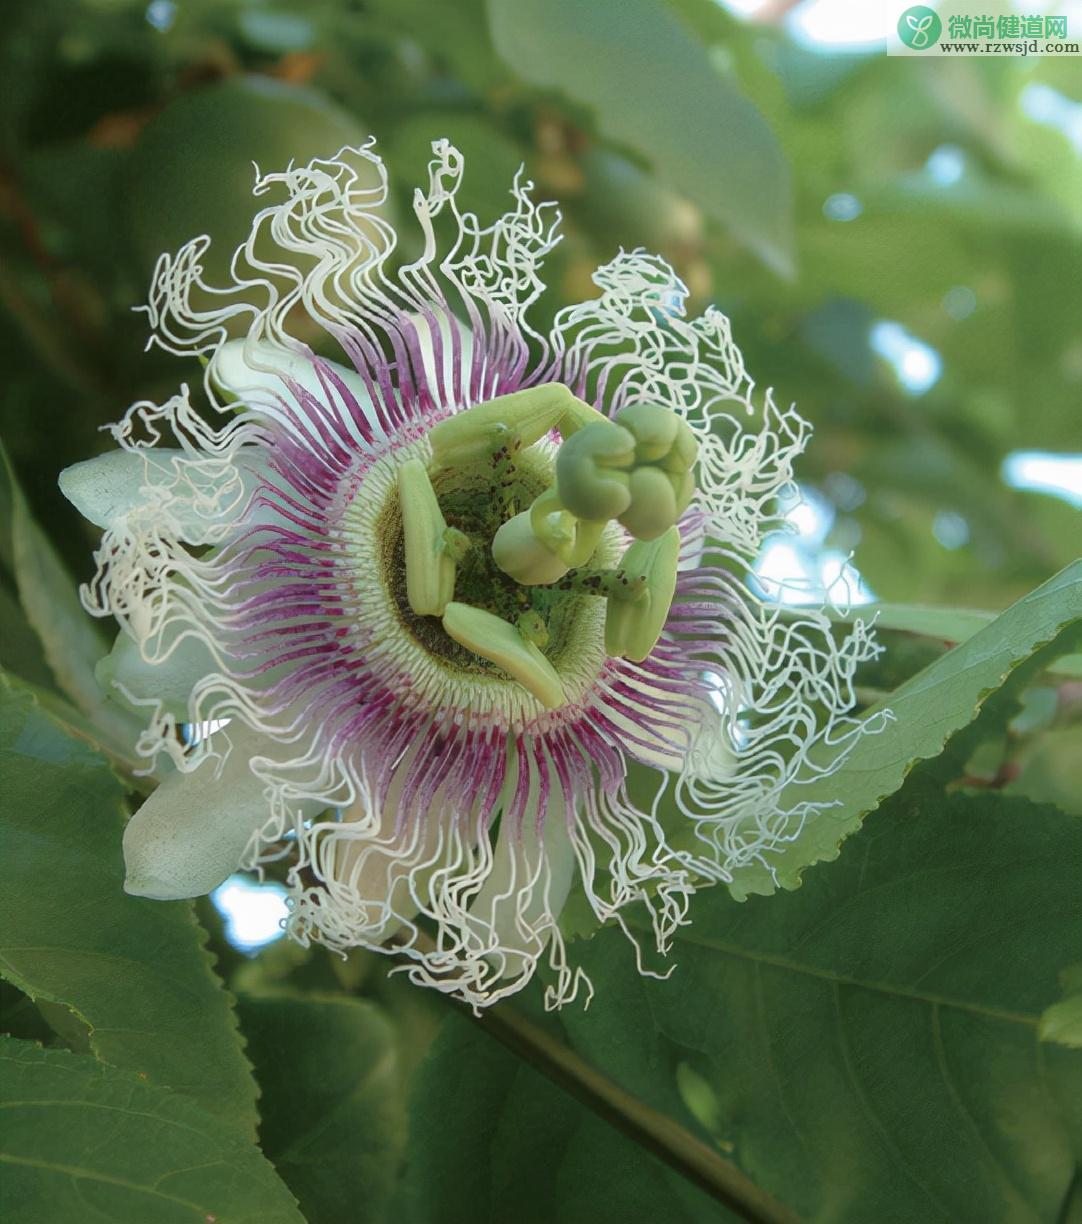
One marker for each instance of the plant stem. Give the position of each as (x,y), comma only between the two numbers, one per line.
(658,1133)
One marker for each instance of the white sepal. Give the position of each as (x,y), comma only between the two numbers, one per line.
(192,832)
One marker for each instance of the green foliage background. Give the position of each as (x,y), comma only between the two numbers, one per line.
(897,1040)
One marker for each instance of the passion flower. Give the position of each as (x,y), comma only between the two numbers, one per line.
(463,606)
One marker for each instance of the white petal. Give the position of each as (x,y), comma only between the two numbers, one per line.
(109,487)
(379,865)
(192,831)
(528,884)
(253,372)
(127,676)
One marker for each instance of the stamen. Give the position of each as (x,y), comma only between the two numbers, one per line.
(633,626)
(494,639)
(514,421)
(430,563)
(521,418)
(636,469)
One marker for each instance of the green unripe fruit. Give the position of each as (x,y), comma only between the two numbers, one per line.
(192,172)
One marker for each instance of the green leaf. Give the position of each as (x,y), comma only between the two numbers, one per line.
(456,36)
(927,710)
(952,625)
(82,1141)
(333,1119)
(492,1140)
(948,624)
(1062,1022)
(134,971)
(71,641)
(20,646)
(869,1041)
(656,91)
(21,1017)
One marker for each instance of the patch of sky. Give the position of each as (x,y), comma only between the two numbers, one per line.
(946,165)
(1048,106)
(795,566)
(1072,9)
(841,25)
(950,529)
(161,14)
(841,206)
(253,913)
(1044,472)
(195,732)
(743,8)
(917,365)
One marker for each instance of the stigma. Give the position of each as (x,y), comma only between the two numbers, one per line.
(530,557)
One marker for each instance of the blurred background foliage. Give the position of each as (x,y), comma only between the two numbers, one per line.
(896,241)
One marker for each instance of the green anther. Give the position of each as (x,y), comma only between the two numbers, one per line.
(430,564)
(518,420)
(628,588)
(589,478)
(501,643)
(578,414)
(632,627)
(456,544)
(533,628)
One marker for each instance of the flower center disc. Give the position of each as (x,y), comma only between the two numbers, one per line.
(477,505)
